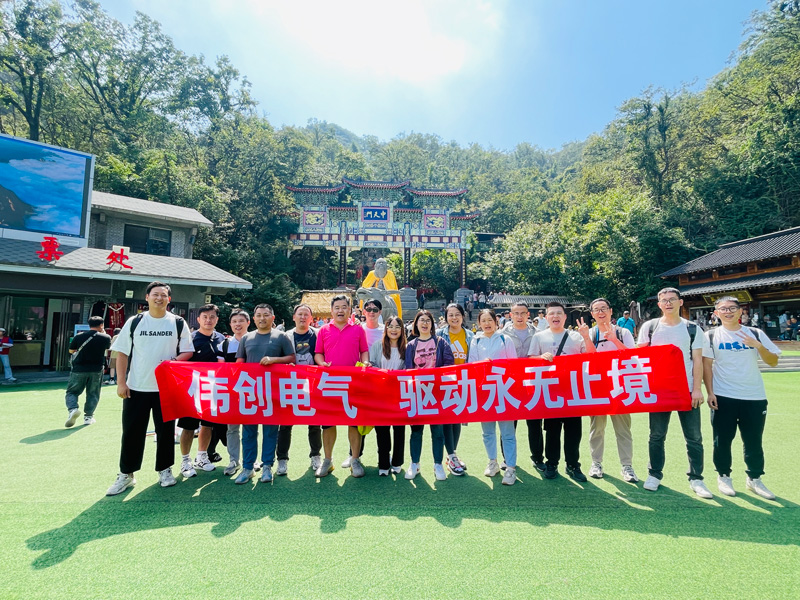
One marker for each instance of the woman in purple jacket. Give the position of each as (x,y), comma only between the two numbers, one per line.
(425,351)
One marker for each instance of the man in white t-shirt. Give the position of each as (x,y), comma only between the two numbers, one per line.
(554,341)
(372,327)
(689,337)
(158,336)
(607,338)
(736,394)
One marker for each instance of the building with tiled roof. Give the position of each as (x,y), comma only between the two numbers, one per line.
(762,272)
(45,295)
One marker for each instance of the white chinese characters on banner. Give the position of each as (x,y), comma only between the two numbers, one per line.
(632,380)
(294,392)
(254,393)
(416,395)
(211,389)
(419,395)
(338,386)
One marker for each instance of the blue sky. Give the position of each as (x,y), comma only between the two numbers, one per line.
(493,72)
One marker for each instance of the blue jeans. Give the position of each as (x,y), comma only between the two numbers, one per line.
(437,442)
(507,434)
(250,445)
(91,382)
(690,423)
(6,366)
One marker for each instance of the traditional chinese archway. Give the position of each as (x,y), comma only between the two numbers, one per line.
(382,214)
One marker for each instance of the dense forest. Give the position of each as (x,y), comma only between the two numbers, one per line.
(676,173)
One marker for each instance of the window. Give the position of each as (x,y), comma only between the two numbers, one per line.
(700,275)
(786,261)
(148,240)
(733,270)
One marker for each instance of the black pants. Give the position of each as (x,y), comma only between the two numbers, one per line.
(135,418)
(573,429)
(285,440)
(749,416)
(219,433)
(536,440)
(386,445)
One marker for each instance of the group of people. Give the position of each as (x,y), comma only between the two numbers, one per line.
(724,359)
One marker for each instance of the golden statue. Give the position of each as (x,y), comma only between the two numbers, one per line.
(380,284)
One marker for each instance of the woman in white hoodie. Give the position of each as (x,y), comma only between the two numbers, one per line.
(490,344)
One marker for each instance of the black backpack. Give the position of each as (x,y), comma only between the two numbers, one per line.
(691,327)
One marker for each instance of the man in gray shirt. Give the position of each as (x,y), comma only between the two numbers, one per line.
(521,333)
(266,346)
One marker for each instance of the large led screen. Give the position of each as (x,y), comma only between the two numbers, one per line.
(43,188)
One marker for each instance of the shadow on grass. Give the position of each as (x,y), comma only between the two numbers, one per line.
(49,436)
(216,500)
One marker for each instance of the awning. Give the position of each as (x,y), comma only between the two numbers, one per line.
(742,283)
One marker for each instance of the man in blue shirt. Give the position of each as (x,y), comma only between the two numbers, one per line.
(626,322)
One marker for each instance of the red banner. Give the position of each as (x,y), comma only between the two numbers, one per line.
(649,379)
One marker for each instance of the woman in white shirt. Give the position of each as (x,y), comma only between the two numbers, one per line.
(490,344)
(389,353)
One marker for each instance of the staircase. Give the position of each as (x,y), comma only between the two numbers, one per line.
(786,364)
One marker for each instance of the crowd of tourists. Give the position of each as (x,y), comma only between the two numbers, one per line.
(724,359)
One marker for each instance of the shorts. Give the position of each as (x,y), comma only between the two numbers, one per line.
(192,423)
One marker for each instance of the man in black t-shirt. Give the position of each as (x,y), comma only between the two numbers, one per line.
(207,343)
(88,350)
(304,339)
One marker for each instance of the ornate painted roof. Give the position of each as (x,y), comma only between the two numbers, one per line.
(443,193)
(465,216)
(375,185)
(316,189)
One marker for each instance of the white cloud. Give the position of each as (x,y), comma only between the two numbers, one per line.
(413,42)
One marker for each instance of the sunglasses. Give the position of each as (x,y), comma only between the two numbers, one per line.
(372,309)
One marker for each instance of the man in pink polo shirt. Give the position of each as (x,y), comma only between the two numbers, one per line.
(340,344)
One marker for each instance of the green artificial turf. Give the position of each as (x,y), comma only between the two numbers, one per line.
(467,537)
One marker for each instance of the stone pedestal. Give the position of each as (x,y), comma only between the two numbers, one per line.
(408,300)
(462,295)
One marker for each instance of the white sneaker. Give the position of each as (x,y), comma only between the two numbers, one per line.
(87,420)
(438,472)
(412,471)
(596,470)
(283,467)
(346,462)
(187,470)
(123,482)
(651,483)
(316,461)
(628,474)
(492,469)
(266,473)
(725,485)
(510,476)
(73,417)
(757,486)
(202,462)
(397,470)
(166,478)
(383,472)
(699,487)
(231,469)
